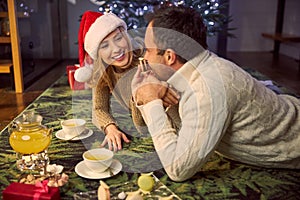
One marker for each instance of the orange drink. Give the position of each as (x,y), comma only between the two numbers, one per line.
(29,142)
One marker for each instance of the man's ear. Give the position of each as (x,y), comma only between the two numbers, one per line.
(170,57)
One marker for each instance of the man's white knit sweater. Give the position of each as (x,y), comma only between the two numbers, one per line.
(223,108)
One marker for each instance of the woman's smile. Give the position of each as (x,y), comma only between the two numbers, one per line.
(119,57)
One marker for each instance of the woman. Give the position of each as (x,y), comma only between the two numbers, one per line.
(110,47)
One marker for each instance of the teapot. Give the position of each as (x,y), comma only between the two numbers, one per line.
(30,140)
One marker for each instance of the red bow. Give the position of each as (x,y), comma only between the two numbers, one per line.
(42,187)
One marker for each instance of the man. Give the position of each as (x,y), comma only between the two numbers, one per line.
(221,107)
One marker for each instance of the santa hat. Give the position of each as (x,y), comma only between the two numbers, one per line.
(87,19)
(103,26)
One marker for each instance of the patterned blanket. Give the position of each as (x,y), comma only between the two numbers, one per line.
(219,178)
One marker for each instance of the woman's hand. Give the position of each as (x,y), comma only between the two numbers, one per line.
(114,138)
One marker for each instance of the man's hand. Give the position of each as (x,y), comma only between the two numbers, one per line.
(146,87)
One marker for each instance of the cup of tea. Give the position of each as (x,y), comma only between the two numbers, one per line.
(73,127)
(98,159)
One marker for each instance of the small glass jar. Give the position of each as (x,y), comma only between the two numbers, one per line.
(30,140)
(5,29)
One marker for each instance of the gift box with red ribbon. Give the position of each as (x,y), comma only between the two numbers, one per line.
(75,85)
(39,191)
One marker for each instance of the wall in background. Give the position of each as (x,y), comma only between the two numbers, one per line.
(292,26)
(250,17)
(253,17)
(75,10)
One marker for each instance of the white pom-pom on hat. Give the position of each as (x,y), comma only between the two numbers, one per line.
(83,74)
(103,26)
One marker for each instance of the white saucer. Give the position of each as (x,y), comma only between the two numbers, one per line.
(82,170)
(61,135)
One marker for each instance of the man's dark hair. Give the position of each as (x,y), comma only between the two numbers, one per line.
(184,20)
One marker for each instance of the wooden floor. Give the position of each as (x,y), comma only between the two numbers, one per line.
(12,104)
(285,71)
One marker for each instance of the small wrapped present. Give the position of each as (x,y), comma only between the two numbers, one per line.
(75,85)
(39,191)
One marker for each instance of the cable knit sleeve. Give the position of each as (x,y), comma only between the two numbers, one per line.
(101,115)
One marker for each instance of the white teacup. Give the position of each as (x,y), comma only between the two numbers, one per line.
(73,127)
(98,159)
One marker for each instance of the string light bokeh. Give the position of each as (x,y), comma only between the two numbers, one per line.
(132,12)
(24,8)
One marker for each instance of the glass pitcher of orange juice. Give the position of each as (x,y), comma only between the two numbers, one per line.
(30,139)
